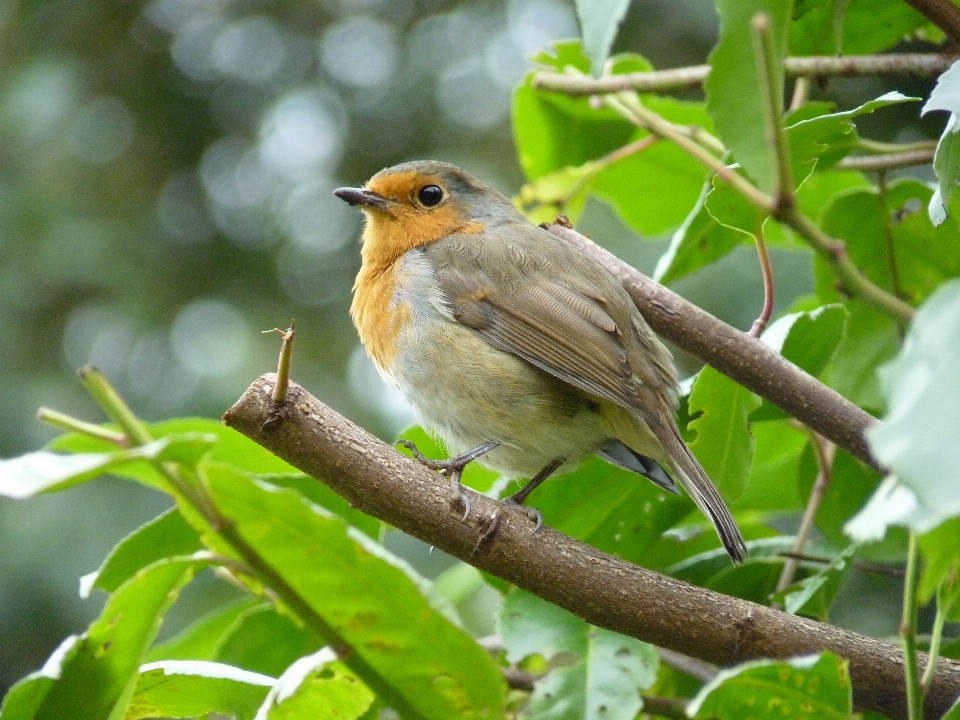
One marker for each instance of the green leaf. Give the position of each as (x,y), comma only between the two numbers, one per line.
(814,594)
(600,674)
(317,687)
(165,536)
(892,241)
(813,686)
(850,27)
(195,688)
(91,676)
(560,192)
(941,559)
(653,190)
(202,639)
(599,20)
(954,712)
(729,208)
(872,337)
(699,241)
(775,472)
(265,641)
(917,439)
(824,139)
(734,98)
(319,494)
(230,447)
(355,588)
(554,131)
(43,471)
(613,510)
(946,161)
(808,339)
(724,445)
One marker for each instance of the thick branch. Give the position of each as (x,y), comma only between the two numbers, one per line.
(942,13)
(602,589)
(924,65)
(743,358)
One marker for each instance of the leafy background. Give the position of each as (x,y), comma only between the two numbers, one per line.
(165,194)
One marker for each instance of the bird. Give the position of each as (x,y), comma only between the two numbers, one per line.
(515,348)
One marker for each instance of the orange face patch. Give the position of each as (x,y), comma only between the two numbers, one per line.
(407,224)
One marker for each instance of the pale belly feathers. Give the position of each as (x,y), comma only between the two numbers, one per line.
(469,392)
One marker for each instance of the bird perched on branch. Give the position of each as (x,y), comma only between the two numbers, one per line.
(514,347)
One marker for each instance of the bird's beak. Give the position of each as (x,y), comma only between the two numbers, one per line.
(362,197)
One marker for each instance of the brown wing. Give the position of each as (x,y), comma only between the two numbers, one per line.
(535,296)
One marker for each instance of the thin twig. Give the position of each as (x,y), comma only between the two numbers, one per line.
(908,631)
(694,667)
(283,363)
(834,252)
(891,161)
(771,91)
(801,91)
(862,565)
(629,106)
(936,635)
(766,270)
(75,425)
(923,65)
(824,451)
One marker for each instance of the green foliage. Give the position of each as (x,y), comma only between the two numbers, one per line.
(816,686)
(599,674)
(334,624)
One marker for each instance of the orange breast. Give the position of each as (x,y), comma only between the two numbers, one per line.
(378,317)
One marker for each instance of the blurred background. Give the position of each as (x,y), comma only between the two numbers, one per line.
(166,171)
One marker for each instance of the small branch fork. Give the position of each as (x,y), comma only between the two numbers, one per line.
(922,65)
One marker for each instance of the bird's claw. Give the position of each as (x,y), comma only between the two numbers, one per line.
(459,497)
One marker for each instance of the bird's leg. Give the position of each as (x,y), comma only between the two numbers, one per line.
(453,468)
(518,498)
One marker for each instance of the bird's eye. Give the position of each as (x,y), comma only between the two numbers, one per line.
(430,195)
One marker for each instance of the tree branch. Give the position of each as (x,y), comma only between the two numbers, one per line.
(923,65)
(599,588)
(942,13)
(737,355)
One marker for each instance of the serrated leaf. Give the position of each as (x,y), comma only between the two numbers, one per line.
(813,686)
(92,676)
(600,674)
(734,98)
(916,439)
(194,688)
(359,590)
(724,445)
(165,536)
(599,20)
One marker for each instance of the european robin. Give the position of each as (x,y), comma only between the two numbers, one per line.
(509,343)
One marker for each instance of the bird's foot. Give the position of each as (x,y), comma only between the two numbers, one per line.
(488,525)
(452,468)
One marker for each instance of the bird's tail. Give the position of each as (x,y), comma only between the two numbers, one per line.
(694,480)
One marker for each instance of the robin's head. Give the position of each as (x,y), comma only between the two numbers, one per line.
(420,202)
